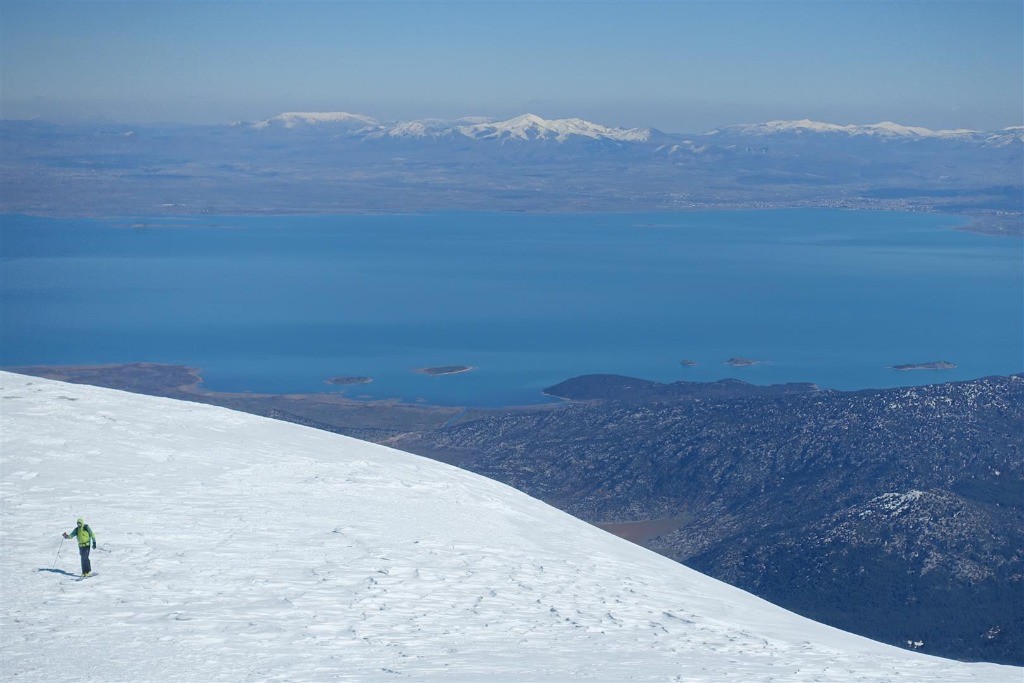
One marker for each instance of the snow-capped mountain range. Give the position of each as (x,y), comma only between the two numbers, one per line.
(295,119)
(235,547)
(885,129)
(527,127)
(340,162)
(524,127)
(532,127)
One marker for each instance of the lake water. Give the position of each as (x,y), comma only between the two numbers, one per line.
(279,304)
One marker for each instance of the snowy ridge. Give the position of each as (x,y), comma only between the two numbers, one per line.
(684,146)
(1006,136)
(294,119)
(533,127)
(885,129)
(234,547)
(524,127)
(415,129)
(530,127)
(425,128)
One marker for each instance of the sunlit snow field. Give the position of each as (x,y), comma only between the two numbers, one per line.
(233,547)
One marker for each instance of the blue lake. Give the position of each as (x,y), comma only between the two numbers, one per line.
(279,304)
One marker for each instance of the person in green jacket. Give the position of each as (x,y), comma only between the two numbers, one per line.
(85,538)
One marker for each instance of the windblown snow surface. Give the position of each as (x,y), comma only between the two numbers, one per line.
(235,548)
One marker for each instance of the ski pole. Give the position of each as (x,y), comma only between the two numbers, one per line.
(58,553)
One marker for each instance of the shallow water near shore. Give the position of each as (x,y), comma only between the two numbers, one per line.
(279,304)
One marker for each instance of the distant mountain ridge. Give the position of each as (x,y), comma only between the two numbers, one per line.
(345,162)
(522,128)
(883,129)
(529,126)
(294,119)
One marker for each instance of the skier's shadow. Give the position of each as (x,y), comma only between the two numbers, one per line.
(56,571)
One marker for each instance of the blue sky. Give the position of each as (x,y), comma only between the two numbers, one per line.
(680,66)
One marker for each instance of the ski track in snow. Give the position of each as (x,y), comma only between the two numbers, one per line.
(238,548)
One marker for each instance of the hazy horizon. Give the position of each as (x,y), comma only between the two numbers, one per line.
(679,67)
(100,120)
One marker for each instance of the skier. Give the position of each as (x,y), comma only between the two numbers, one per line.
(84,535)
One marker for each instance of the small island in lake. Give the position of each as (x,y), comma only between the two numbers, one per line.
(687,362)
(344,380)
(743,362)
(444,370)
(934,365)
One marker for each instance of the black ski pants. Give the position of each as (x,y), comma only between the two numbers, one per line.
(83,550)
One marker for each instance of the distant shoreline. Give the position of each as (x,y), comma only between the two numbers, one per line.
(185,382)
(989,224)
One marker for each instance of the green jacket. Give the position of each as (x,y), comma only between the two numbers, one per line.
(84,535)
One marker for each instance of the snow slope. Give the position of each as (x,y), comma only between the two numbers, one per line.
(233,548)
